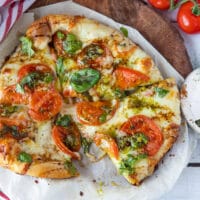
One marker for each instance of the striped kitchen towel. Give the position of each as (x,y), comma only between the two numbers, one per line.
(10,11)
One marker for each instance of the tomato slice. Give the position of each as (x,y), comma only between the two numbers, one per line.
(127,78)
(10,96)
(146,125)
(34,67)
(108,144)
(59,135)
(95,113)
(44,105)
(96,55)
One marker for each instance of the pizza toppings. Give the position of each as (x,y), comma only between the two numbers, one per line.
(127,78)
(66,136)
(69,166)
(44,105)
(96,55)
(161,92)
(86,143)
(66,43)
(84,79)
(145,125)
(32,75)
(138,140)
(95,113)
(24,157)
(108,144)
(124,31)
(127,165)
(27,46)
(7,110)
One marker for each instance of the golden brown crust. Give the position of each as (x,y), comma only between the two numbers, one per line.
(9,149)
(42,30)
(50,169)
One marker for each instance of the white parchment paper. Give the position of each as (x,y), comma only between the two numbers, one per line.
(99,180)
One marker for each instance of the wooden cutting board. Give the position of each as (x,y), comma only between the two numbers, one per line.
(154,27)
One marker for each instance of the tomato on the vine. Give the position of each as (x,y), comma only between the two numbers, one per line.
(160,4)
(189,17)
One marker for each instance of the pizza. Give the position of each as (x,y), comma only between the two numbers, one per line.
(73,82)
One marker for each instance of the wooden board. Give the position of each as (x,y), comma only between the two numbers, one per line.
(154,27)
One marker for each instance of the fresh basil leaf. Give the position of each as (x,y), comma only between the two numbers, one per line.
(84,79)
(161,92)
(25,157)
(60,35)
(69,166)
(197,122)
(71,45)
(124,31)
(59,66)
(86,144)
(127,165)
(27,46)
(64,120)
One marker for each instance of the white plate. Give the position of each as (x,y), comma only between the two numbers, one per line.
(190,99)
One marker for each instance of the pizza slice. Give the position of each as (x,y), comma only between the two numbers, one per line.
(137,132)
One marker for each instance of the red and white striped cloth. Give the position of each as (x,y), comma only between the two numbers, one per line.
(10,11)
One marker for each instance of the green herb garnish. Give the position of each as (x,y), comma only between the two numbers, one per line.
(138,140)
(84,79)
(32,79)
(127,165)
(71,44)
(69,166)
(86,145)
(161,92)
(60,35)
(27,46)
(124,31)
(6,110)
(25,157)
(119,93)
(94,51)
(103,117)
(64,121)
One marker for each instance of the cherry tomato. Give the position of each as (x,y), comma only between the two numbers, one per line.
(188,21)
(44,105)
(95,113)
(160,4)
(60,135)
(10,96)
(108,144)
(145,125)
(127,78)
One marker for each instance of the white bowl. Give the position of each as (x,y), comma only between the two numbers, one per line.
(190,99)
